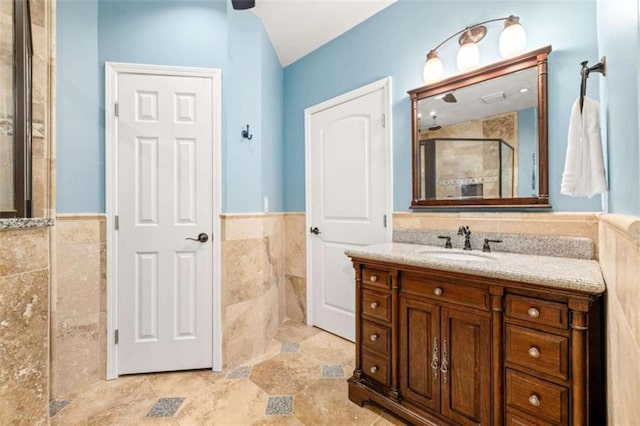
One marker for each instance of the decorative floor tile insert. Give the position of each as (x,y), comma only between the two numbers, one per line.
(332,371)
(279,406)
(165,407)
(290,348)
(56,405)
(239,373)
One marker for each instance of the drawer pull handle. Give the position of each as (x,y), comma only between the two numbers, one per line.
(374,305)
(374,369)
(444,367)
(373,337)
(437,291)
(434,359)
(533,312)
(534,352)
(374,278)
(534,400)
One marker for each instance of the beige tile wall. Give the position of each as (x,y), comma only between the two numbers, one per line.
(78,317)
(296,267)
(24,328)
(253,287)
(620,263)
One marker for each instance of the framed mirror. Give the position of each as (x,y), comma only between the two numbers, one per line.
(480,138)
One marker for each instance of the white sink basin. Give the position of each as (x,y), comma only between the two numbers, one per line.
(453,255)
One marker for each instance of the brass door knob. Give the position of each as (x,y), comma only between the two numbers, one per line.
(534,400)
(534,352)
(373,337)
(374,278)
(437,291)
(374,369)
(374,305)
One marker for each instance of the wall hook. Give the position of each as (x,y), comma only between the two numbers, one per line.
(245,133)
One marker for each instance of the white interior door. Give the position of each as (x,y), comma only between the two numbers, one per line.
(349,162)
(164,197)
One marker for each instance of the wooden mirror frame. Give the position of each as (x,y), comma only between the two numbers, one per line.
(536,58)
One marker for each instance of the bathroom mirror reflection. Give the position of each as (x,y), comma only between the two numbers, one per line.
(480,139)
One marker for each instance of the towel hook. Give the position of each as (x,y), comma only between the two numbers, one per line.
(245,133)
(600,67)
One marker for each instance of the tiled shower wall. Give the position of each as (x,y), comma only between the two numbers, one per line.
(620,263)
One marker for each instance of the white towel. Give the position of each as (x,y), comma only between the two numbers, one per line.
(584,166)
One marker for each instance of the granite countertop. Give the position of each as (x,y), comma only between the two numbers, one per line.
(29,222)
(557,272)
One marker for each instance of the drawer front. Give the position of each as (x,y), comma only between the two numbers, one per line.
(540,351)
(376,305)
(467,295)
(376,337)
(538,398)
(376,367)
(516,418)
(376,278)
(537,311)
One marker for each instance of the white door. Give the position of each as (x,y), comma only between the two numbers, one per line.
(164,198)
(349,162)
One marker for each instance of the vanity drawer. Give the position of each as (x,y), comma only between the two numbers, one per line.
(376,367)
(540,351)
(537,311)
(376,305)
(538,398)
(515,418)
(375,277)
(376,337)
(467,295)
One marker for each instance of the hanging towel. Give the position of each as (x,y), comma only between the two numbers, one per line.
(584,166)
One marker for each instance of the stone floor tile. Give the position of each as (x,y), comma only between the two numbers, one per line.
(285,374)
(292,331)
(290,348)
(165,407)
(56,405)
(239,373)
(332,371)
(279,405)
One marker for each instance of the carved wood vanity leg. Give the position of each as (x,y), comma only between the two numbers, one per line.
(394,392)
(497,376)
(357,372)
(579,374)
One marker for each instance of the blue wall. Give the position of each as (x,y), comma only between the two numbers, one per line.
(619,40)
(79,154)
(527,147)
(394,43)
(198,33)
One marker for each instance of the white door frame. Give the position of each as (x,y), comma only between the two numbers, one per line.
(112,71)
(384,84)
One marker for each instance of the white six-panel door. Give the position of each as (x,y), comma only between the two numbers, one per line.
(164,197)
(349,171)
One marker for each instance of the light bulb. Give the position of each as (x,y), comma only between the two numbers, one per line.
(468,56)
(433,69)
(513,39)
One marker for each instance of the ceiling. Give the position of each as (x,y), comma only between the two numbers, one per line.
(297,27)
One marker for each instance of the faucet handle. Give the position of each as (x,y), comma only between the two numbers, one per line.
(486,247)
(464,230)
(447,244)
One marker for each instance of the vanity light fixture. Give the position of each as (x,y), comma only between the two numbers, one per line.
(512,42)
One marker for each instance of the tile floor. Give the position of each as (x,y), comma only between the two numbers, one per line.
(301,381)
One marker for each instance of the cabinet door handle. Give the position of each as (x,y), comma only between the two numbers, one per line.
(374,305)
(437,291)
(533,312)
(374,369)
(444,368)
(434,359)
(373,278)
(534,352)
(534,400)
(373,337)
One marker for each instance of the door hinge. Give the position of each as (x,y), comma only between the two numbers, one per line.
(116,336)
(384,120)
(384,220)
(116,109)
(116,222)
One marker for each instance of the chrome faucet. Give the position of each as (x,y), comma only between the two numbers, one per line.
(464,230)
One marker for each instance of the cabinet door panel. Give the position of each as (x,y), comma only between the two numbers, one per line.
(419,328)
(466,385)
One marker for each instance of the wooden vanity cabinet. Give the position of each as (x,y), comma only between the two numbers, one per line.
(444,348)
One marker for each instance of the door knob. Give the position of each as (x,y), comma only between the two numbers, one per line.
(315,230)
(202,237)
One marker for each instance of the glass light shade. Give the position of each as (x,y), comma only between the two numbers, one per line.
(433,69)
(512,41)
(468,56)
